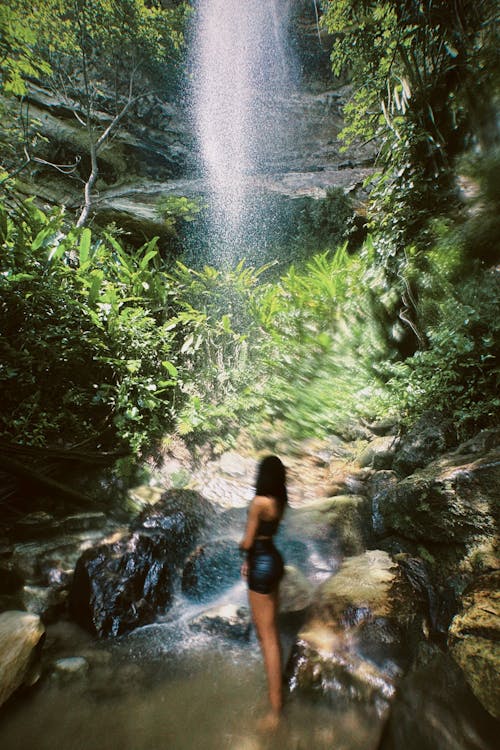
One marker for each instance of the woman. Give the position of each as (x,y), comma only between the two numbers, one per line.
(263,570)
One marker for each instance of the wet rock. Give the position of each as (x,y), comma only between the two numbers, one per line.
(124,582)
(122,585)
(322,667)
(210,568)
(474,640)
(296,592)
(71,668)
(180,515)
(229,621)
(21,639)
(453,500)
(354,645)
(366,586)
(379,485)
(431,436)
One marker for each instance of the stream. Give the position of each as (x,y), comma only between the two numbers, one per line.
(172,685)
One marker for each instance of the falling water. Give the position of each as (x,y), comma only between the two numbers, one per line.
(242,70)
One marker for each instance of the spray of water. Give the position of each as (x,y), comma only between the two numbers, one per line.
(241,71)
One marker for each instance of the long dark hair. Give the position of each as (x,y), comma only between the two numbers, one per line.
(271,480)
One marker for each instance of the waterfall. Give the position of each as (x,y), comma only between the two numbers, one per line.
(241,71)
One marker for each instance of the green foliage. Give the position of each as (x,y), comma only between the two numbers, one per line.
(177,208)
(318,341)
(218,345)
(482,229)
(323,223)
(146,34)
(422,88)
(19,23)
(85,346)
(459,373)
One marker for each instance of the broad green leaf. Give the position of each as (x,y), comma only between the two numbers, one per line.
(84,247)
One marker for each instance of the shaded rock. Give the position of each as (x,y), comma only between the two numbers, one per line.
(46,602)
(180,514)
(417,574)
(483,442)
(11,579)
(453,500)
(228,620)
(71,668)
(296,593)
(35,525)
(344,519)
(35,559)
(21,639)
(384,427)
(434,708)
(474,641)
(378,453)
(84,521)
(431,436)
(210,568)
(379,485)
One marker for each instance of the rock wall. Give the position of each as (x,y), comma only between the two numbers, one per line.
(152,154)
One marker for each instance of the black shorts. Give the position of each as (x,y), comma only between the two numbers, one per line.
(265,567)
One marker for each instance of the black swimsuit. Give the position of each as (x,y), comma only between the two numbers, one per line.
(265,564)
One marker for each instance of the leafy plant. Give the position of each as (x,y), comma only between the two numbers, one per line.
(85,346)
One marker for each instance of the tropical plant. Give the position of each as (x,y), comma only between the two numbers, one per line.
(86,351)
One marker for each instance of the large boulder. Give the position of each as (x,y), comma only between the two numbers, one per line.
(354,645)
(122,584)
(21,639)
(366,587)
(343,520)
(126,580)
(379,452)
(435,709)
(474,640)
(429,437)
(455,499)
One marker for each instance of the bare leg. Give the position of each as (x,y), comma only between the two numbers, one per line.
(264,612)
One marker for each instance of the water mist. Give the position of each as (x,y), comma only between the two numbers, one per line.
(242,71)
